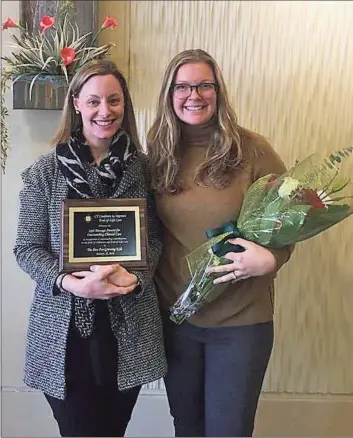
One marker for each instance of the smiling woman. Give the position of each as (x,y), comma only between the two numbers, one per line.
(202,164)
(194,93)
(101,105)
(95,323)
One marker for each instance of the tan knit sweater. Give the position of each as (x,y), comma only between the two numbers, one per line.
(186,217)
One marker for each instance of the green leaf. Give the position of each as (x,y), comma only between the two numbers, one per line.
(341,198)
(268,221)
(290,222)
(338,185)
(319,220)
(64,69)
(32,84)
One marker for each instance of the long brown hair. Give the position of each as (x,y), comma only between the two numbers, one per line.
(224,153)
(71,122)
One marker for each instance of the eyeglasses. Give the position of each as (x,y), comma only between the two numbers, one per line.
(204,89)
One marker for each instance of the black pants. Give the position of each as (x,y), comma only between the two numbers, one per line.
(215,377)
(93,406)
(91,410)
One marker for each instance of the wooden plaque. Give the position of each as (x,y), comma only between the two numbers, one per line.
(103,231)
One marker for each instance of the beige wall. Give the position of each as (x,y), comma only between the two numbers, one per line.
(288,66)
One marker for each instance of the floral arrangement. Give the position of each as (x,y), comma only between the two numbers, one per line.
(56,48)
(277,211)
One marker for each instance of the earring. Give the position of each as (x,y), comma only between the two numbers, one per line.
(77,112)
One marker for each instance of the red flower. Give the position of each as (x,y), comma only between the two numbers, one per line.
(46,23)
(313,198)
(68,55)
(9,23)
(109,22)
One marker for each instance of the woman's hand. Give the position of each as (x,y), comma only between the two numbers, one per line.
(119,277)
(255,261)
(95,284)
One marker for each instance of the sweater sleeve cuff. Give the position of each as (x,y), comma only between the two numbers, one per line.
(57,287)
(141,283)
(282,255)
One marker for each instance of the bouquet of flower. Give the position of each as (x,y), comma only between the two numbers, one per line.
(277,211)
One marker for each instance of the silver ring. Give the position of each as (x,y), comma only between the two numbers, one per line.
(234,275)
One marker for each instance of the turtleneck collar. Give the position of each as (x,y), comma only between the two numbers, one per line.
(198,135)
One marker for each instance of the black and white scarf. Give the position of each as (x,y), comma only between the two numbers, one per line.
(73,155)
(72,158)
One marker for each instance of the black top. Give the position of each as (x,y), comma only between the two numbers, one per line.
(93,359)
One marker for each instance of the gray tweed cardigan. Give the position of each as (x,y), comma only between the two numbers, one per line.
(141,357)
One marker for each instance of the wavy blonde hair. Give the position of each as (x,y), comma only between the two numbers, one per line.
(71,122)
(224,153)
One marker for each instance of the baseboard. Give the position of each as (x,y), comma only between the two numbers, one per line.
(303,416)
(25,414)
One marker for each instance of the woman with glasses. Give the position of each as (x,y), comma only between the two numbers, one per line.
(203,162)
